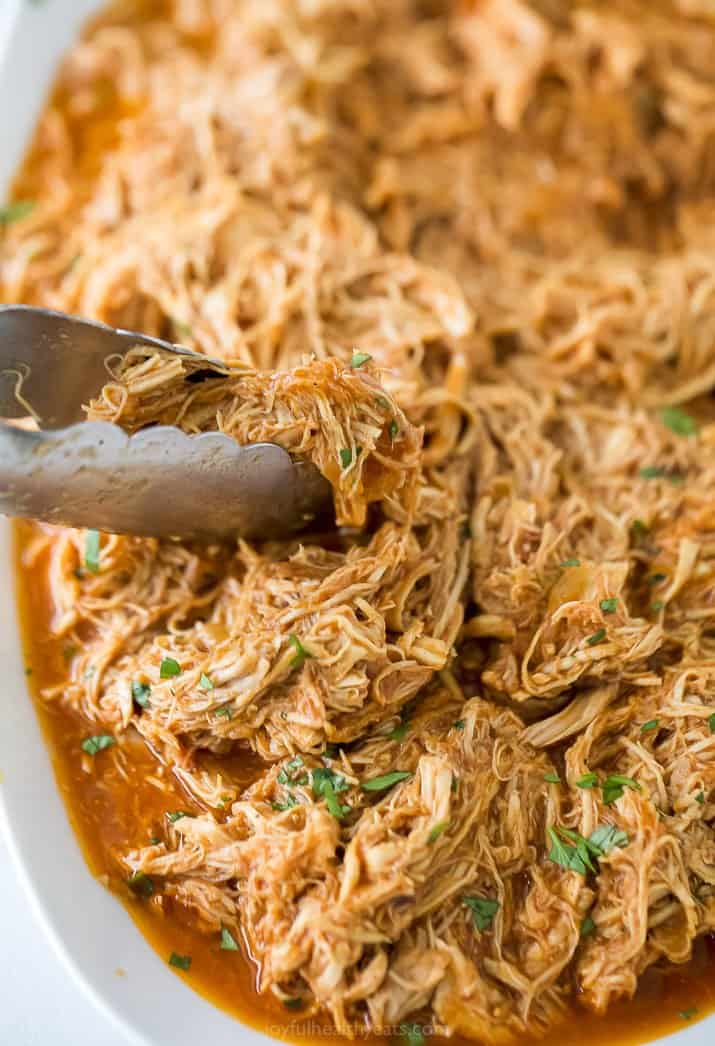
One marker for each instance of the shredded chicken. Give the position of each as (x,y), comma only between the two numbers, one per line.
(458,254)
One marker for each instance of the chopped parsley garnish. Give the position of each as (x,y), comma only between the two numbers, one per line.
(205,683)
(596,638)
(587,926)
(140,694)
(700,798)
(552,778)
(393,429)
(224,712)
(400,732)
(289,803)
(458,724)
(141,885)
(228,941)
(412,1034)
(181,962)
(652,724)
(572,851)
(483,910)
(175,815)
(613,787)
(91,551)
(379,784)
(13,212)
(587,781)
(346,457)
(301,654)
(651,472)
(328,784)
(657,605)
(679,421)
(606,838)
(169,668)
(97,743)
(437,831)
(286,776)
(688,1014)
(711,723)
(293,1004)
(639,529)
(359,358)
(656,579)
(608,606)
(572,562)
(68,652)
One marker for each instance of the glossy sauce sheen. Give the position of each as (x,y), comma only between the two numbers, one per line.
(110,811)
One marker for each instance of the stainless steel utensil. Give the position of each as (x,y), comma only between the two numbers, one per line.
(159,482)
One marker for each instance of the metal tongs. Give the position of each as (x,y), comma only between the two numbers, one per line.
(158,482)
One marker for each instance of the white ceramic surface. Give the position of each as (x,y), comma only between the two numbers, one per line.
(90,931)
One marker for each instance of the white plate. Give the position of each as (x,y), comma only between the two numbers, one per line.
(89,929)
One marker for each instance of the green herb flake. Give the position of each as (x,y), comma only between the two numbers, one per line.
(606,838)
(657,606)
(412,1034)
(97,743)
(613,787)
(651,472)
(379,784)
(293,1004)
(141,885)
(608,606)
(587,926)
(359,358)
(205,683)
(393,429)
(346,457)
(552,778)
(657,579)
(175,815)
(141,693)
(483,910)
(169,668)
(639,529)
(569,850)
(711,723)
(228,941)
(301,654)
(286,775)
(652,724)
(181,962)
(700,798)
(68,652)
(596,638)
(572,562)
(289,803)
(91,551)
(437,831)
(14,212)
(400,732)
(224,712)
(327,784)
(687,1015)
(458,724)
(679,421)
(587,781)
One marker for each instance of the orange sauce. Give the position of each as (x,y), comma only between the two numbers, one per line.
(111,812)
